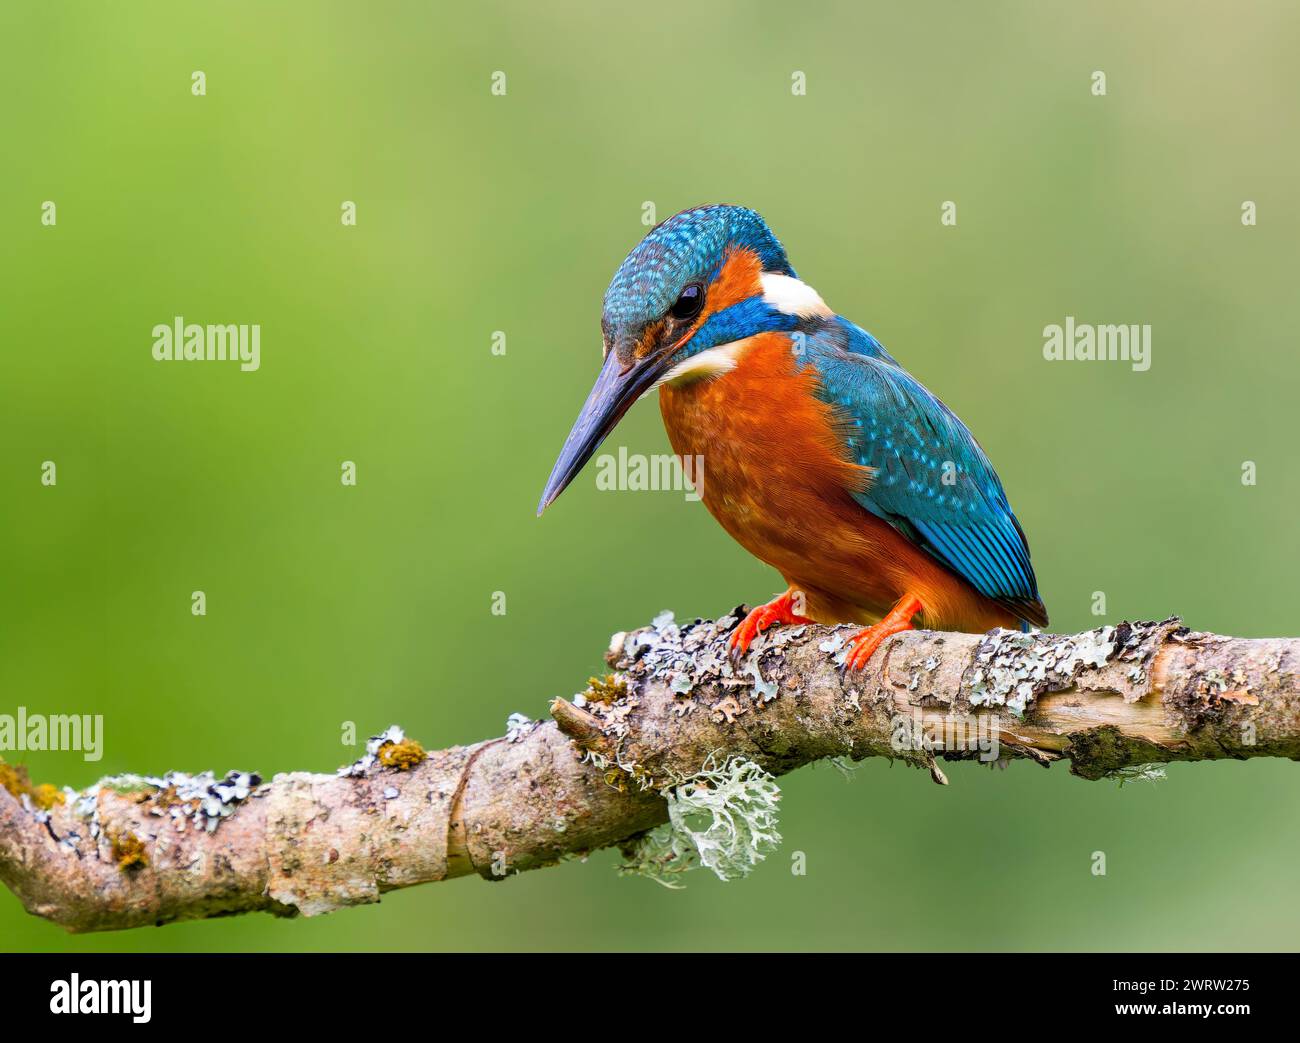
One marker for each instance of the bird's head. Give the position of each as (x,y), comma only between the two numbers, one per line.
(694,286)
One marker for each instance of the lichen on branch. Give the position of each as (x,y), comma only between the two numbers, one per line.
(673,736)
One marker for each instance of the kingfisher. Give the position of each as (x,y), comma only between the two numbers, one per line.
(817,451)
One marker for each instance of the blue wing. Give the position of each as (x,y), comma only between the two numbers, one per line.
(933,482)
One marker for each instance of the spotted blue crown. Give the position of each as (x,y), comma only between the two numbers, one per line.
(686,248)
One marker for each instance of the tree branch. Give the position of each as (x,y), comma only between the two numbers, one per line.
(132,852)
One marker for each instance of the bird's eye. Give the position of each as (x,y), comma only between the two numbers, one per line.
(688,305)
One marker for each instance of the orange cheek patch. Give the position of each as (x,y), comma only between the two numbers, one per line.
(739,280)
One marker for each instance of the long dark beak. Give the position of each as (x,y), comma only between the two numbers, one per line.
(615,390)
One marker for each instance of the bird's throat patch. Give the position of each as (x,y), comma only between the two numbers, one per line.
(711,362)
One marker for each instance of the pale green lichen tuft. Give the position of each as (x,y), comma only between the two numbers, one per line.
(724,817)
(1137,773)
(658,856)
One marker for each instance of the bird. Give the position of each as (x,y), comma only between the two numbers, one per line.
(818,452)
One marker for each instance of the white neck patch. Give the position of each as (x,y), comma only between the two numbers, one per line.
(792,296)
(711,362)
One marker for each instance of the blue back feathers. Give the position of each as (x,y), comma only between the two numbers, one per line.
(933,482)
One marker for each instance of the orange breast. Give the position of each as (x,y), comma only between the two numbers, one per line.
(772,470)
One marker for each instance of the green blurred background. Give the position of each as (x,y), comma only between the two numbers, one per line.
(479,213)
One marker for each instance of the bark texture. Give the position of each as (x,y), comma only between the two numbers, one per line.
(128,853)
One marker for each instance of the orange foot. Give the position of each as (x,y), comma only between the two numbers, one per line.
(864,643)
(778,610)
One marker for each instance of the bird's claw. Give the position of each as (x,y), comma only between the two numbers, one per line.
(736,653)
(743,636)
(862,645)
(778,610)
